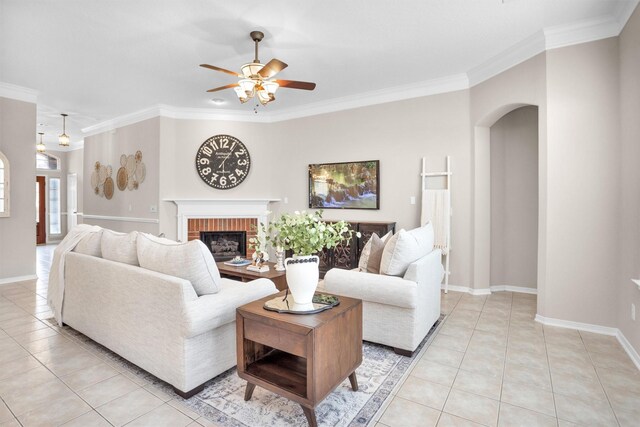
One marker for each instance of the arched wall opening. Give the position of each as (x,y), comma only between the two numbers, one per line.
(482,218)
(514,201)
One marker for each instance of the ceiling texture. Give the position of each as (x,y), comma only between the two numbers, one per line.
(97,60)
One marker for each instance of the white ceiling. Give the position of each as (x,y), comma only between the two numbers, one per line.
(96,60)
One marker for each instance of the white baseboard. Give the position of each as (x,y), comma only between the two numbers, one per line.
(488,291)
(468,290)
(17,279)
(587,327)
(518,289)
(633,354)
(596,329)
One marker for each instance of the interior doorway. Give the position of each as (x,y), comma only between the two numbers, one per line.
(514,201)
(41,210)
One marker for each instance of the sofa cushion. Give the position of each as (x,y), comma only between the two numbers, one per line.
(119,247)
(375,257)
(404,248)
(191,261)
(366,252)
(90,245)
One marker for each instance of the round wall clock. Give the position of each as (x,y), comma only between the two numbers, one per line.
(223,162)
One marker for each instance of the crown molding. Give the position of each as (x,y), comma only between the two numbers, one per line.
(624,11)
(539,42)
(19,93)
(512,56)
(431,87)
(397,93)
(581,32)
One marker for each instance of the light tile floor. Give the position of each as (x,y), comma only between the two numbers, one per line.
(490,364)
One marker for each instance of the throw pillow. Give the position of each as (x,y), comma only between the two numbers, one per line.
(90,245)
(375,257)
(404,248)
(191,261)
(366,251)
(119,247)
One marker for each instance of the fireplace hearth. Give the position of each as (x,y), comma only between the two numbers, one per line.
(225,245)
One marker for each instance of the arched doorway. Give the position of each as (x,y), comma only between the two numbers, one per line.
(481,218)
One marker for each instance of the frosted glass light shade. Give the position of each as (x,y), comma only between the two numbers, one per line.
(251,69)
(270,86)
(64,140)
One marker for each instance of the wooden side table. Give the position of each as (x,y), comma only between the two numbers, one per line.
(300,357)
(278,277)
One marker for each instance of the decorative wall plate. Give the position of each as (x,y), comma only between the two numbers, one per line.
(94,179)
(131,164)
(123,160)
(141,172)
(108,188)
(122,178)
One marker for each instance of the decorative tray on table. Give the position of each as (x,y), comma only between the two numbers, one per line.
(238,262)
(319,303)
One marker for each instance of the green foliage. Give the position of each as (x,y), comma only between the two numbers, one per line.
(306,233)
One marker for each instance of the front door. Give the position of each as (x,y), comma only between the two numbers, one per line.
(41,225)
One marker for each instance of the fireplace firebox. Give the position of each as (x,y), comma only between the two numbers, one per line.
(225,245)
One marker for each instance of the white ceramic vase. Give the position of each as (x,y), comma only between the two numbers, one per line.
(302,277)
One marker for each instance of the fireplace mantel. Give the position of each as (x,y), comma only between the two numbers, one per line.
(219,208)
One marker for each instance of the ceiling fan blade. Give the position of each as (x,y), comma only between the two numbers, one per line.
(223,87)
(272,68)
(213,67)
(292,84)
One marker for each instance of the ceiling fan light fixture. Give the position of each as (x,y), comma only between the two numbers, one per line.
(242,96)
(251,69)
(63,139)
(248,86)
(270,86)
(40,147)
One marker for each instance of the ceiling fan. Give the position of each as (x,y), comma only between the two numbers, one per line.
(256,78)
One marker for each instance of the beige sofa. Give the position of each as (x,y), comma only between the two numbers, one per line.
(155,320)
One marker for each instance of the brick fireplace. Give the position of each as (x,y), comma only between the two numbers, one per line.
(194,216)
(196,226)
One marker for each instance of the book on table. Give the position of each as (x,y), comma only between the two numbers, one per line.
(257,269)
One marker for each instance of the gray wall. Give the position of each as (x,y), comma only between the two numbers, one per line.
(128,205)
(629,214)
(18,232)
(514,199)
(583,177)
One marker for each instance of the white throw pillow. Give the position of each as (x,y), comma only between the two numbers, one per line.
(366,252)
(120,247)
(404,248)
(90,245)
(191,261)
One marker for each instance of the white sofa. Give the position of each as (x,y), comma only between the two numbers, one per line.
(396,311)
(157,321)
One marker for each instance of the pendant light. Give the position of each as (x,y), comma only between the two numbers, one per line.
(40,145)
(64,138)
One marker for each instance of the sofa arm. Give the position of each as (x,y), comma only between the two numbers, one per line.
(427,270)
(214,310)
(389,290)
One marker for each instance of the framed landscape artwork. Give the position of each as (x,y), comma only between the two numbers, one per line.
(348,185)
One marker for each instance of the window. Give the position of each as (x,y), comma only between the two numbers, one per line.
(4,186)
(47,162)
(54,206)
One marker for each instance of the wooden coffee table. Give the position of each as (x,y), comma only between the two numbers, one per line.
(300,357)
(278,277)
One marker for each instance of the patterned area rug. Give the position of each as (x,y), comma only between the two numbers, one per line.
(222,400)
